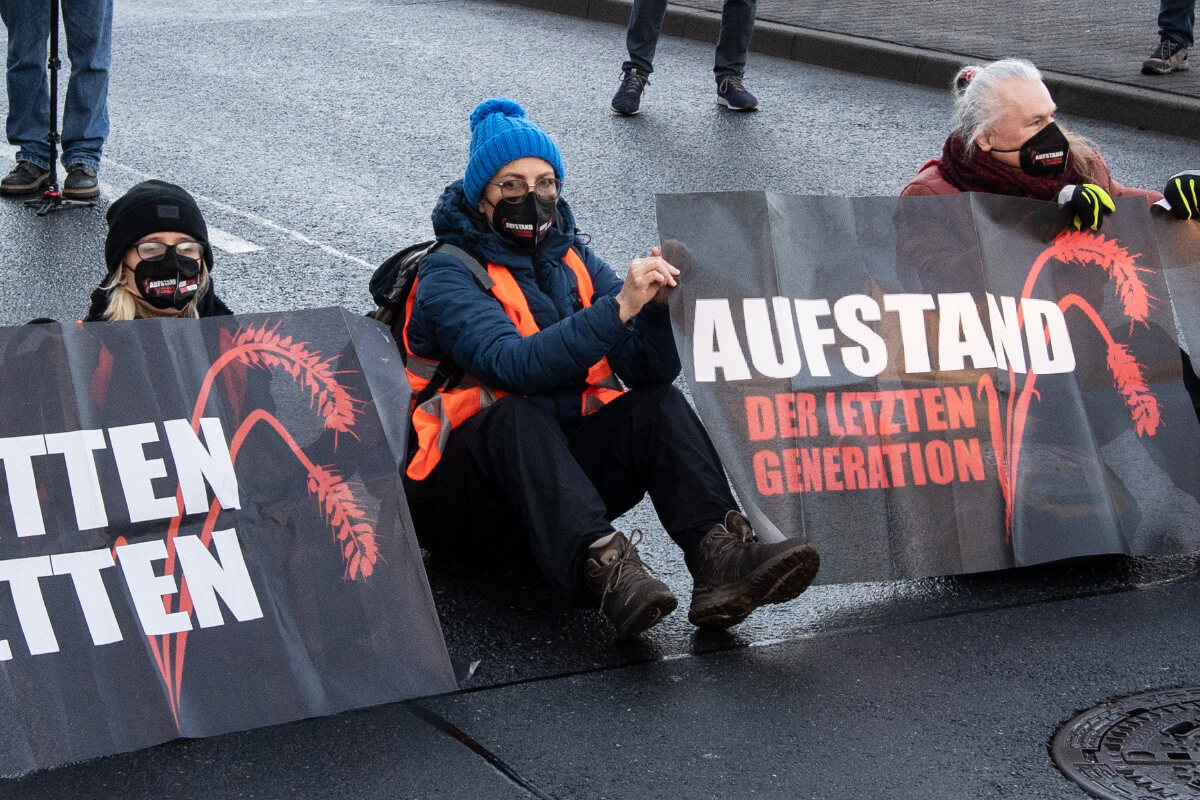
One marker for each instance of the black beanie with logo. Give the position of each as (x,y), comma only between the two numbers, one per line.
(152,207)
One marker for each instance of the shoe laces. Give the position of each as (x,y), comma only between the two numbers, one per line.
(628,568)
(731,82)
(1166,48)
(632,83)
(726,539)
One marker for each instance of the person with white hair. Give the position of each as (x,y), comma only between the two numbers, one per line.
(1006,141)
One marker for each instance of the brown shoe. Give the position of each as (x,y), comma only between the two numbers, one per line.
(629,597)
(735,573)
(25,178)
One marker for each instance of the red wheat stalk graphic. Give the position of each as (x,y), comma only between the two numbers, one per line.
(1084,248)
(265,348)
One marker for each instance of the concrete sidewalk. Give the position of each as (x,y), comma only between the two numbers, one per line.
(1091,51)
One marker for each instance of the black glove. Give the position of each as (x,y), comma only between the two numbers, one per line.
(1183,193)
(1089,202)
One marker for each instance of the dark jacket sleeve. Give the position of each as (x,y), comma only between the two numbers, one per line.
(460,319)
(647,357)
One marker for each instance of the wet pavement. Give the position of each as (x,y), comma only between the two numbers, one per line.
(317,138)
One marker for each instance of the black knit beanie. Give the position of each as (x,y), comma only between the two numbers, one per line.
(152,207)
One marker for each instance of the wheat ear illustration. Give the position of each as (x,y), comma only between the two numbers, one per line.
(1084,248)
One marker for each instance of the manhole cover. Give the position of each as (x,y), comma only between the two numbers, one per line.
(1142,746)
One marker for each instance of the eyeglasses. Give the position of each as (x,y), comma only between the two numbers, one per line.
(155,251)
(514,190)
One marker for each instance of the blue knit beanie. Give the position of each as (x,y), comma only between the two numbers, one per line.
(501,133)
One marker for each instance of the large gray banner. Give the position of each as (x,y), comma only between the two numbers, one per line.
(203,529)
(928,386)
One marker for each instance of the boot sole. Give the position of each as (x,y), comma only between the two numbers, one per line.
(21,191)
(81,194)
(777,581)
(651,612)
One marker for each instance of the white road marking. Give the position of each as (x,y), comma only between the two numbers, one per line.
(252,217)
(227,242)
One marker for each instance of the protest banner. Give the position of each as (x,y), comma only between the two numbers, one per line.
(938,385)
(203,530)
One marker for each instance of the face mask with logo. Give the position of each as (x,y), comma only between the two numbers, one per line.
(1044,153)
(169,282)
(525,222)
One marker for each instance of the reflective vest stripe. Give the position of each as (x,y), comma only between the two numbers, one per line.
(434,419)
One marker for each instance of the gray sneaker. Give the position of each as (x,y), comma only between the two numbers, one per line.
(1168,56)
(24,178)
(734,573)
(629,597)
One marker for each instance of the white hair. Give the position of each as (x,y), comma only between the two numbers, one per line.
(976,105)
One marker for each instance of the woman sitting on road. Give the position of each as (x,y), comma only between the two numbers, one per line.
(536,447)
(158,258)
(1005,141)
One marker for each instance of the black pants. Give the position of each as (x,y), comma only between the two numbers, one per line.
(512,480)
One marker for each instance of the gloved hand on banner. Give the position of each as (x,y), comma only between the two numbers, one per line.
(1089,202)
(1183,193)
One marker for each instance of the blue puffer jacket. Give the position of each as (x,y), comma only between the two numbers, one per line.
(453,317)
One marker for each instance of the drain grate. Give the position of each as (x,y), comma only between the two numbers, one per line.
(1142,746)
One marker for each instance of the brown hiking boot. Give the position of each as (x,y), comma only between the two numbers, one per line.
(629,597)
(25,178)
(735,573)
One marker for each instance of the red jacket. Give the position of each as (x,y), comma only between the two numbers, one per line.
(930,181)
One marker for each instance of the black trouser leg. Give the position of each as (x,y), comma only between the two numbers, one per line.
(507,482)
(650,440)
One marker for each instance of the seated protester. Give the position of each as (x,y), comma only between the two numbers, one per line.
(1005,141)
(158,258)
(537,447)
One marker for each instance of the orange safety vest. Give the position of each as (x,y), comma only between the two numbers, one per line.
(448,408)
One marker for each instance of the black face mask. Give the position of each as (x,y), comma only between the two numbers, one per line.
(170,282)
(525,223)
(1044,153)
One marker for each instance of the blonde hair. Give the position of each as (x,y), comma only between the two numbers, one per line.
(977,108)
(124,304)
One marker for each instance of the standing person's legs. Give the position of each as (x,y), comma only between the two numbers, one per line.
(89,45)
(1177,20)
(737,25)
(28,123)
(641,40)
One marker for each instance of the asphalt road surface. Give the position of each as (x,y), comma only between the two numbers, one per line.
(316,137)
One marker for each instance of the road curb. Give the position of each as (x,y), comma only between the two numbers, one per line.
(1135,106)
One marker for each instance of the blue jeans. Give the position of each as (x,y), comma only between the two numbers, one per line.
(1176,20)
(88,24)
(645,25)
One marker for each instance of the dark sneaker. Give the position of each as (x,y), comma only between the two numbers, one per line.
(81,183)
(1167,57)
(628,98)
(734,96)
(25,178)
(735,573)
(629,597)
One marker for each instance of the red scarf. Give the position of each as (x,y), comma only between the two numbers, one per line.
(982,173)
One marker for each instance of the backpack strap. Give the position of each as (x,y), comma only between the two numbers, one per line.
(478,270)
(448,374)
